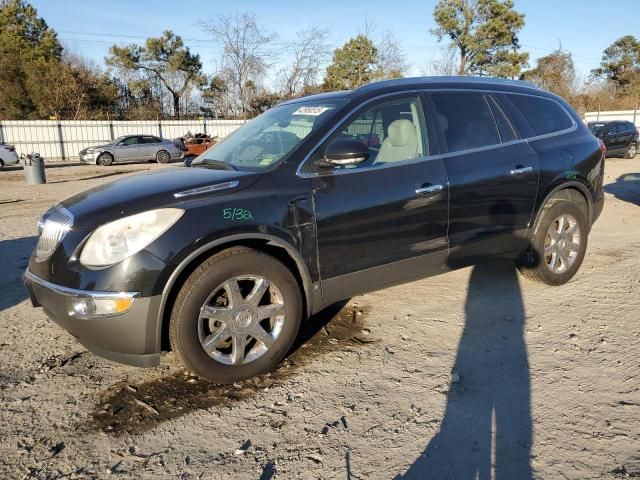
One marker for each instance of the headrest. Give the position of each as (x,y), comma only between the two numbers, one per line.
(401,132)
(444,122)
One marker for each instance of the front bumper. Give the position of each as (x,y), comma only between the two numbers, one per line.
(132,337)
(88,157)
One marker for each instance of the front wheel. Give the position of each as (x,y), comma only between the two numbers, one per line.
(236,316)
(631,152)
(558,244)
(105,159)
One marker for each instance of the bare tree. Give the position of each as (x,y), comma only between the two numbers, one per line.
(444,65)
(392,62)
(246,52)
(310,52)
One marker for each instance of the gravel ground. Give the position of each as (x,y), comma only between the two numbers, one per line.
(474,374)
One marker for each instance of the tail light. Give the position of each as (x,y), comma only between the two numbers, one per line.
(603,147)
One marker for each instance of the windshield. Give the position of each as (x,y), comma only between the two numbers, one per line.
(266,139)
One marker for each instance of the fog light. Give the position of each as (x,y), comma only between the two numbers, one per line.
(92,307)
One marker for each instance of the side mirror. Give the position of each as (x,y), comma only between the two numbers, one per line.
(343,152)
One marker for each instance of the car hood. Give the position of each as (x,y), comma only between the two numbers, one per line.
(145,191)
(93,147)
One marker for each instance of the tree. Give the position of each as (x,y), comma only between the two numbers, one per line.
(71,89)
(392,62)
(246,52)
(353,65)
(444,65)
(555,73)
(309,52)
(485,34)
(621,62)
(215,96)
(26,43)
(167,59)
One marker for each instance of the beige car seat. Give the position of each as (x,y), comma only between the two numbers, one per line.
(400,144)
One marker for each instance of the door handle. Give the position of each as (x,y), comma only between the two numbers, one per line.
(429,189)
(520,171)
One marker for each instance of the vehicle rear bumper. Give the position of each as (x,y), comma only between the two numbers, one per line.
(131,338)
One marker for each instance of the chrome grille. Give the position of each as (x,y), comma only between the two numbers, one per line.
(55,224)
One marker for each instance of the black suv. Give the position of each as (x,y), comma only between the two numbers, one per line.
(314,201)
(620,137)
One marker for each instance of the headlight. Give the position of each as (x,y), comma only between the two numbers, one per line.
(113,242)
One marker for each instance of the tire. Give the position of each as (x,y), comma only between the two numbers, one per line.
(539,264)
(1,164)
(105,159)
(163,156)
(207,286)
(631,151)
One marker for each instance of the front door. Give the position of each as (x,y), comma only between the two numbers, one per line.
(127,149)
(493,177)
(383,221)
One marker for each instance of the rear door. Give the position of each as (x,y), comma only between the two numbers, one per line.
(626,131)
(149,147)
(613,135)
(383,221)
(493,176)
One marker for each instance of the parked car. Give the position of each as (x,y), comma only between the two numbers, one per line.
(133,147)
(299,209)
(8,155)
(620,137)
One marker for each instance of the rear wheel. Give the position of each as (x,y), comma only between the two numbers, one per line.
(1,164)
(105,159)
(163,156)
(631,152)
(558,244)
(236,316)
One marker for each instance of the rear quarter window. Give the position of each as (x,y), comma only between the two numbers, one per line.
(544,115)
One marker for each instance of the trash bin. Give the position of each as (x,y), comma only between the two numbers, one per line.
(33,165)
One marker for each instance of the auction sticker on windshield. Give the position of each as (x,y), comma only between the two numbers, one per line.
(312,111)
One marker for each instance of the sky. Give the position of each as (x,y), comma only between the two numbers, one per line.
(88,27)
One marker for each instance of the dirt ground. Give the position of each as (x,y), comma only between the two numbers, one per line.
(474,374)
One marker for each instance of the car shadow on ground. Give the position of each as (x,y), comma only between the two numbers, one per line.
(14,256)
(626,187)
(486,431)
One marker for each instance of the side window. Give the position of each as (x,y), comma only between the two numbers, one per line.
(392,131)
(507,134)
(623,128)
(544,115)
(130,141)
(466,120)
(150,140)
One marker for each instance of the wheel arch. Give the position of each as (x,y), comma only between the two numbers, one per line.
(573,190)
(110,152)
(274,246)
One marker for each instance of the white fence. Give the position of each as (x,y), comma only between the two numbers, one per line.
(62,140)
(629,115)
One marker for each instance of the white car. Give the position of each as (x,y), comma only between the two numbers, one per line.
(8,155)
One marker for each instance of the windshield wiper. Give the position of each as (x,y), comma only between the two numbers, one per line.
(216,164)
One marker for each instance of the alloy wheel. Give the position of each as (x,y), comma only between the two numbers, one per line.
(164,157)
(241,319)
(562,243)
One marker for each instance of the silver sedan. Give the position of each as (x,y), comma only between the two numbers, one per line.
(133,147)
